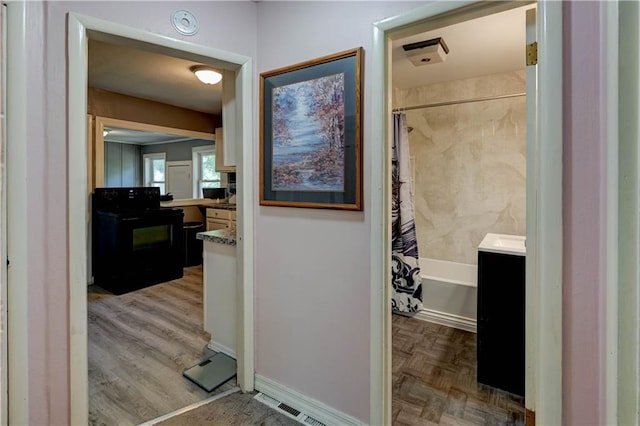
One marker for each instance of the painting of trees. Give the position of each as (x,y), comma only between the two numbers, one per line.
(310,138)
(308,122)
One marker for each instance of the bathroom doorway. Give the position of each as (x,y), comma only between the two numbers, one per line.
(466,112)
(546,106)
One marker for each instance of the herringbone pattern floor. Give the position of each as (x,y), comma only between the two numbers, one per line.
(434,379)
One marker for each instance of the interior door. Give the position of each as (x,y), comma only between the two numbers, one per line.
(179,181)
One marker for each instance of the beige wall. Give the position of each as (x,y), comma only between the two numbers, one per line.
(103,103)
(469,163)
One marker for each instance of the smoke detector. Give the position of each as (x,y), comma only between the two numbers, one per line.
(426,52)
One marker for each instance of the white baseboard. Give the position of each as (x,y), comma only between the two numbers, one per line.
(217,347)
(450,320)
(316,409)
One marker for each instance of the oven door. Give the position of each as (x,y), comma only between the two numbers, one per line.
(135,250)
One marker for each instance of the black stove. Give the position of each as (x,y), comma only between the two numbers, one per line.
(126,199)
(135,242)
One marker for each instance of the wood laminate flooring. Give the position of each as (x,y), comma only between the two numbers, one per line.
(237,409)
(434,379)
(139,344)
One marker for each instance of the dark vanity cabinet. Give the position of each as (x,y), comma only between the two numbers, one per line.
(501,321)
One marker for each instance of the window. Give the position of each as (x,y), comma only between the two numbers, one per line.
(155,170)
(204,170)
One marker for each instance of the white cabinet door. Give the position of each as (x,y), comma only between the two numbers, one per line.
(230,117)
(179,181)
(221,166)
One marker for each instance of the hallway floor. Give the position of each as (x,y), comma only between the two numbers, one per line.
(434,379)
(139,343)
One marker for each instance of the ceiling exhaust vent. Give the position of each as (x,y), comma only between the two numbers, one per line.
(426,52)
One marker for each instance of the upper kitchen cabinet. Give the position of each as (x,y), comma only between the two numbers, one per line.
(223,163)
(228,136)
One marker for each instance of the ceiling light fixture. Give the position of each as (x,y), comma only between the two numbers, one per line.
(206,74)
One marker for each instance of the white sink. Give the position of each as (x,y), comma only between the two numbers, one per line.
(503,243)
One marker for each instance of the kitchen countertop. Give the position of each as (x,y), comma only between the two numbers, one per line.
(220,236)
(198,202)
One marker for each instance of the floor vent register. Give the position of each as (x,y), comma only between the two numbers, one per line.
(288,410)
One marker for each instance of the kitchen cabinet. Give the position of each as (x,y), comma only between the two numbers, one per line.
(220,290)
(223,161)
(220,219)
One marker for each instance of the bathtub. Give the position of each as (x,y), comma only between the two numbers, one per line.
(450,292)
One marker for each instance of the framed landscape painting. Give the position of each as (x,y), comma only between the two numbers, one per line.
(310,134)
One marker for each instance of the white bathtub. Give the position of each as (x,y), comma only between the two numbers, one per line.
(450,292)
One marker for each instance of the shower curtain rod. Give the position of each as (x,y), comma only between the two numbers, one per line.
(463,101)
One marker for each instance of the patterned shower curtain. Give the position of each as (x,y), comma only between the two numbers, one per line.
(406,282)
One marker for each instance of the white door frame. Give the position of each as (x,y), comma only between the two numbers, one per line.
(628,354)
(78,27)
(610,23)
(17,273)
(547,308)
(4,365)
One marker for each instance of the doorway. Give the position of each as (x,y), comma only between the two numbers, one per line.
(543,196)
(79,29)
(465,106)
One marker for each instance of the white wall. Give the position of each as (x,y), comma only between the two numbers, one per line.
(312,266)
(229,26)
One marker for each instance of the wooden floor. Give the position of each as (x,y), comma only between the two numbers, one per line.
(434,379)
(139,344)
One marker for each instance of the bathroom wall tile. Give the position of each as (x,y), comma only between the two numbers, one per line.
(470,164)
(489,85)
